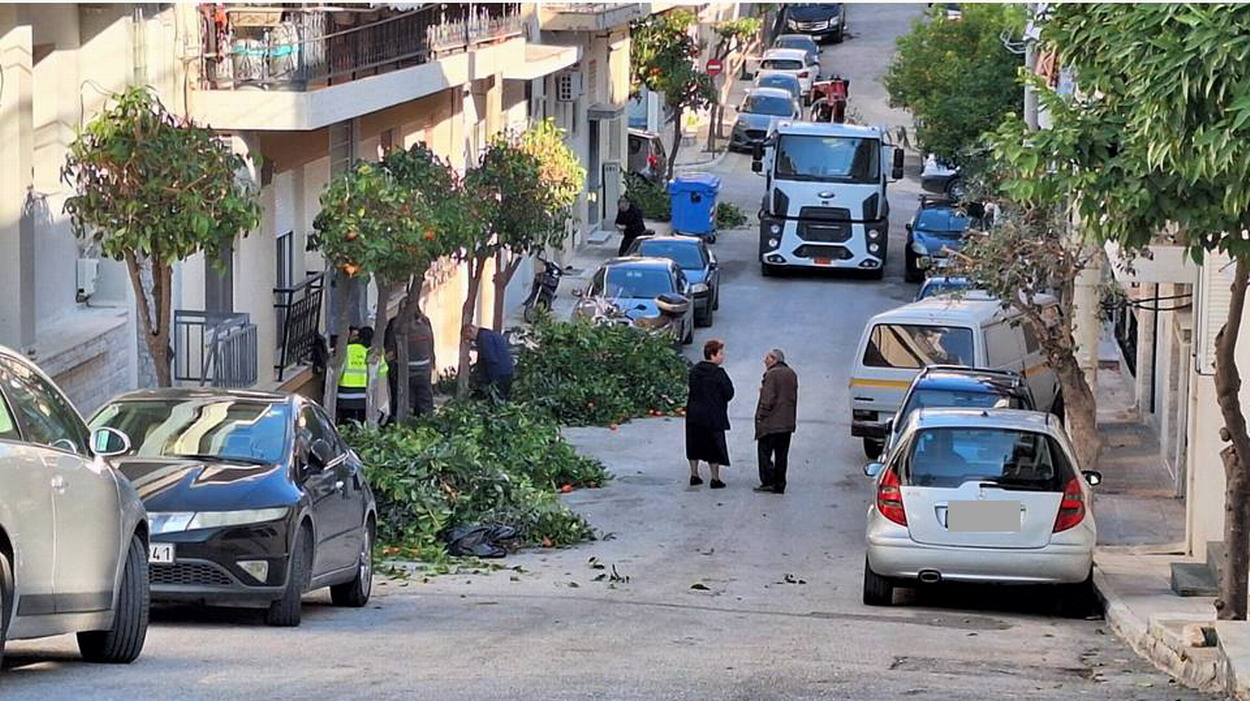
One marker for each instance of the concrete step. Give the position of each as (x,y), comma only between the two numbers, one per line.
(1215,558)
(1193,579)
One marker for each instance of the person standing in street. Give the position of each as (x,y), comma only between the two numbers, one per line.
(421,365)
(492,354)
(775,421)
(707,414)
(629,220)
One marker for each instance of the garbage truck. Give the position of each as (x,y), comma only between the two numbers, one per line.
(824,203)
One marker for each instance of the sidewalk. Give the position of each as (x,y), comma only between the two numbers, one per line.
(1141,529)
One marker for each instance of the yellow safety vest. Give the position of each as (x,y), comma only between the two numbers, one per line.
(355,376)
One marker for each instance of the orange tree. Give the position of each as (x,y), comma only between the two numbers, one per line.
(390,220)
(663,59)
(151,189)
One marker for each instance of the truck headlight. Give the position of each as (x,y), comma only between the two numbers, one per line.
(873,248)
(774,228)
(773,242)
(874,234)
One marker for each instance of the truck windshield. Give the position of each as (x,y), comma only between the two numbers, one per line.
(839,158)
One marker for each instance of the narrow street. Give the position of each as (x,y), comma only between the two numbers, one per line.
(719,595)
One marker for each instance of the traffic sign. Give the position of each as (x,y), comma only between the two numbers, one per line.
(714,66)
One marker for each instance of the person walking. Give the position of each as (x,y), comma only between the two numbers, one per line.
(629,220)
(707,414)
(493,356)
(775,421)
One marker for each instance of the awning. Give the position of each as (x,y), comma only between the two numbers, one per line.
(542,60)
(603,112)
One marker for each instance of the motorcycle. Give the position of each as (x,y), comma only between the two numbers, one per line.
(830,106)
(543,291)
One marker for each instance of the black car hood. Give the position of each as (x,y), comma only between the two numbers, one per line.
(809,13)
(167,484)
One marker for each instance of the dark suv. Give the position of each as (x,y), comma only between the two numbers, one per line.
(957,387)
(818,20)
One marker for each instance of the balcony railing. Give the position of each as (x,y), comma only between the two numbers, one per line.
(217,350)
(296,49)
(299,314)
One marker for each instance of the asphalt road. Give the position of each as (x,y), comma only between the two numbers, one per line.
(778,614)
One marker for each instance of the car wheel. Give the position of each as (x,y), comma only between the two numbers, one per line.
(911,271)
(955,189)
(837,38)
(704,319)
(531,313)
(689,337)
(355,593)
(878,591)
(286,611)
(6,601)
(124,641)
(1078,600)
(716,298)
(873,448)
(1057,408)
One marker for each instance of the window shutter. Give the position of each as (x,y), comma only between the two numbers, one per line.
(1214,296)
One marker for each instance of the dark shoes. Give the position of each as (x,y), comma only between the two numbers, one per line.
(717,484)
(769,489)
(695,480)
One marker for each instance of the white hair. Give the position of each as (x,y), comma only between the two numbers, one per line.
(778,355)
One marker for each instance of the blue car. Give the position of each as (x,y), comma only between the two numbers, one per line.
(936,230)
(935,285)
(692,255)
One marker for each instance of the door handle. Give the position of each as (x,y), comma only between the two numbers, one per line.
(58,483)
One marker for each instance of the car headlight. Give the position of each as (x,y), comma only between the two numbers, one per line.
(774,228)
(874,234)
(774,242)
(919,248)
(176,522)
(169,522)
(698,288)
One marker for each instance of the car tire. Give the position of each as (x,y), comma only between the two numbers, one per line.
(122,643)
(704,319)
(873,448)
(1057,408)
(716,298)
(878,591)
(355,593)
(837,38)
(689,337)
(955,189)
(1078,600)
(6,601)
(285,612)
(911,271)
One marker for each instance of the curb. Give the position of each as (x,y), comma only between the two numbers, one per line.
(714,163)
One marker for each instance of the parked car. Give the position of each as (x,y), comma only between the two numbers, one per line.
(821,21)
(633,284)
(73,532)
(935,230)
(698,263)
(647,156)
(783,81)
(802,42)
(937,285)
(254,499)
(959,387)
(759,111)
(986,495)
(941,178)
(791,62)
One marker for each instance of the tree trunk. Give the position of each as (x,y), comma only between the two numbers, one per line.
(467,316)
(377,352)
(672,154)
(155,333)
(503,278)
(334,369)
(1080,410)
(1231,604)
(412,303)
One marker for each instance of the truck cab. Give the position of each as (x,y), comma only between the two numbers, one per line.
(825,202)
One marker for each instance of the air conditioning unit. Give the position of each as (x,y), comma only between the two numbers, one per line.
(568,86)
(87,272)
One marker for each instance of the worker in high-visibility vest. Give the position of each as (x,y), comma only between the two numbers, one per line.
(354,380)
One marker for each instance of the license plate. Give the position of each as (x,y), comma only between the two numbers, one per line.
(823,261)
(983,517)
(161,553)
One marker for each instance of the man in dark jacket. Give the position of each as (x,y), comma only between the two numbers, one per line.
(629,219)
(493,356)
(775,421)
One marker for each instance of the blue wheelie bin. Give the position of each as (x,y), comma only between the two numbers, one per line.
(693,199)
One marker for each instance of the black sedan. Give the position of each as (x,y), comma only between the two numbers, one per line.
(692,255)
(253,499)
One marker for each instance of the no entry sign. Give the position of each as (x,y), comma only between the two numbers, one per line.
(714,66)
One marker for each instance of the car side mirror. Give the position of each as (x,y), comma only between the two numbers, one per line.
(579,292)
(109,442)
(873,469)
(907,226)
(897,172)
(1093,477)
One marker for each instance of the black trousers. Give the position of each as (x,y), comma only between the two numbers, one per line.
(420,391)
(773,451)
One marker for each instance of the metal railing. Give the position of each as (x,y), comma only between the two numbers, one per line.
(305,48)
(217,350)
(299,315)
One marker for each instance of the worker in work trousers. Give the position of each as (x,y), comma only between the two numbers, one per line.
(421,365)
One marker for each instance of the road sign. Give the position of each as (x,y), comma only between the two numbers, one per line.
(714,66)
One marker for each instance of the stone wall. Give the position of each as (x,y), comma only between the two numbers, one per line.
(90,356)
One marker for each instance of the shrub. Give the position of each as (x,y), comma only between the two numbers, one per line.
(729,216)
(651,198)
(474,463)
(583,374)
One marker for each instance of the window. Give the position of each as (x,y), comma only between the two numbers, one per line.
(202,427)
(781,64)
(1032,344)
(1002,347)
(285,260)
(1019,460)
(768,104)
(45,416)
(314,426)
(960,399)
(822,158)
(8,427)
(688,256)
(635,145)
(639,282)
(913,346)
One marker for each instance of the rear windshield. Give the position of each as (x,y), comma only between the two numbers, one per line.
(686,255)
(933,287)
(1011,459)
(781,64)
(768,104)
(780,81)
(804,43)
(914,346)
(961,398)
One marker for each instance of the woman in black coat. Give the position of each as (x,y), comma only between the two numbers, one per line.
(707,414)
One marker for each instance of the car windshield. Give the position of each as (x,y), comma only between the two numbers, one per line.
(1007,458)
(914,346)
(959,398)
(227,428)
(942,220)
(687,255)
(768,104)
(637,282)
(780,81)
(781,64)
(821,158)
(934,287)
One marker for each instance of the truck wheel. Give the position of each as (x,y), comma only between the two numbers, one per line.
(878,591)
(122,643)
(877,273)
(767,270)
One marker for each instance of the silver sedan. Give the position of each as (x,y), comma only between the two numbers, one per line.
(990,495)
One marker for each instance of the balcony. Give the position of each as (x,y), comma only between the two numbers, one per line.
(287,68)
(588,16)
(214,350)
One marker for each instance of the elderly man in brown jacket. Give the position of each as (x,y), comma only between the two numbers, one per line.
(775,421)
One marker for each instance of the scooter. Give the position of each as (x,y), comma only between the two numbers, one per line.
(543,291)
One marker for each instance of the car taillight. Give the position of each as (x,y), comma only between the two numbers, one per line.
(890,498)
(1072,508)
(653,160)
(803,74)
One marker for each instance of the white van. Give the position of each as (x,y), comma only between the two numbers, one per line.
(973,331)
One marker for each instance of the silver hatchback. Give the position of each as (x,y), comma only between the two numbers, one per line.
(992,495)
(73,533)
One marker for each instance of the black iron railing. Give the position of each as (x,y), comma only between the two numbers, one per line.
(299,315)
(295,49)
(217,350)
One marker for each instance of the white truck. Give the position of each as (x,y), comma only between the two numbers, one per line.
(825,202)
